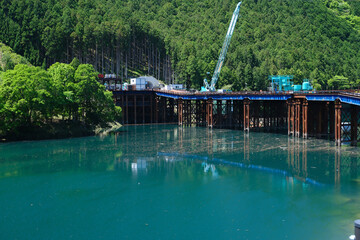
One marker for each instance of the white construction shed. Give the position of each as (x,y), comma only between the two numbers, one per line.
(145,82)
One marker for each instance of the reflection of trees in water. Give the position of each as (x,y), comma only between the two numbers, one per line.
(80,154)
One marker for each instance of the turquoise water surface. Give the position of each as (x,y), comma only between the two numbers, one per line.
(168,182)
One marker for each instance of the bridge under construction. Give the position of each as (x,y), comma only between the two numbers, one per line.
(324,114)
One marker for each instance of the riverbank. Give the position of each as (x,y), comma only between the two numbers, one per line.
(58,130)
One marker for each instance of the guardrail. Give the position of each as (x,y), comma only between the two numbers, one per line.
(345,96)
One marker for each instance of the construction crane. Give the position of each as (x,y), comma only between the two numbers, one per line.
(223,52)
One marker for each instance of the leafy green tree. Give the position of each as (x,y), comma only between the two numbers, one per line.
(62,76)
(26,97)
(8,62)
(96,105)
(75,63)
(339,83)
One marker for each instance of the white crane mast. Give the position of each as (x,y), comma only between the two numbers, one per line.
(223,52)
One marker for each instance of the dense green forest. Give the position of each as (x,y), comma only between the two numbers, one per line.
(39,103)
(179,40)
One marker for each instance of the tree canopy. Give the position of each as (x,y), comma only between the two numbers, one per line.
(8,59)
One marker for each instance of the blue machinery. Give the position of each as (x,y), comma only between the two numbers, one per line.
(223,52)
(285,83)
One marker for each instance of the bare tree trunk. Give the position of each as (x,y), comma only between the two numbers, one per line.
(96,57)
(133,52)
(111,60)
(142,54)
(126,65)
(117,59)
(122,66)
(159,64)
(164,70)
(148,57)
(153,60)
(102,57)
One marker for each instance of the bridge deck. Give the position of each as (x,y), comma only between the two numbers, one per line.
(349,97)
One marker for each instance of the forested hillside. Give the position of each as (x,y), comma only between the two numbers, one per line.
(181,39)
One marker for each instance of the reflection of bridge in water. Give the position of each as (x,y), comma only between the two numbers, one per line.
(248,166)
(326,165)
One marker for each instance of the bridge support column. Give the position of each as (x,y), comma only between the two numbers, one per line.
(186,114)
(228,113)
(171,113)
(256,114)
(325,122)
(337,122)
(143,108)
(305,106)
(291,113)
(164,109)
(266,116)
(354,125)
(157,100)
(209,113)
(331,120)
(219,122)
(180,111)
(198,112)
(246,115)
(297,117)
(319,118)
(151,110)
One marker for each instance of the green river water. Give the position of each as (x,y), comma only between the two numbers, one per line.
(168,182)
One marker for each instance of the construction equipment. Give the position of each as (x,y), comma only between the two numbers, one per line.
(223,52)
(284,83)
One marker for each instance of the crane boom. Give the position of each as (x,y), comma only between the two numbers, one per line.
(223,52)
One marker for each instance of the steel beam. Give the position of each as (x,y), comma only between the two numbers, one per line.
(246,115)
(157,100)
(338,122)
(305,106)
(297,117)
(209,113)
(291,117)
(180,111)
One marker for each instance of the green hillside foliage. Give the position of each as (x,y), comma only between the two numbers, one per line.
(8,59)
(314,39)
(348,10)
(31,98)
